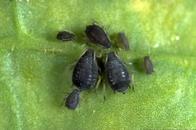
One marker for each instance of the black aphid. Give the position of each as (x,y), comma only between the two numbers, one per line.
(117,74)
(65,36)
(85,74)
(72,100)
(123,41)
(97,35)
(148,66)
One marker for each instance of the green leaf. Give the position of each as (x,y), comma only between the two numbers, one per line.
(36,69)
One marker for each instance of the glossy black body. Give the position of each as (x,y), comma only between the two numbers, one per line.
(97,35)
(117,74)
(123,41)
(72,100)
(65,36)
(85,73)
(148,66)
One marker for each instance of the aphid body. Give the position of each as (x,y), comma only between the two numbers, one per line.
(117,74)
(65,36)
(85,73)
(123,41)
(97,35)
(72,100)
(148,66)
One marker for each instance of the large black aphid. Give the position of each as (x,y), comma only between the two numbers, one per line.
(117,74)
(97,35)
(72,100)
(85,74)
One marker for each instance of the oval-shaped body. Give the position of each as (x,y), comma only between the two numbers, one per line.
(72,100)
(123,41)
(117,74)
(148,66)
(85,73)
(97,35)
(65,36)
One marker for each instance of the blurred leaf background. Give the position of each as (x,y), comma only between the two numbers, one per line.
(36,69)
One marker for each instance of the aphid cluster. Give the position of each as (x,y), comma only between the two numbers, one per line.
(89,68)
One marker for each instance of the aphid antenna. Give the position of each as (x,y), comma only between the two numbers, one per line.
(124,63)
(116,53)
(97,23)
(74,63)
(68,31)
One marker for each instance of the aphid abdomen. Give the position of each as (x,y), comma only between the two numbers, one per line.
(72,100)
(85,73)
(117,74)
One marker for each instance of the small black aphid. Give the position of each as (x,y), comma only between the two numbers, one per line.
(72,100)
(85,74)
(97,35)
(123,41)
(148,66)
(117,74)
(65,36)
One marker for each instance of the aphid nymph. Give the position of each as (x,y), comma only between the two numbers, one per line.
(123,41)
(97,35)
(65,36)
(85,74)
(72,100)
(117,74)
(148,66)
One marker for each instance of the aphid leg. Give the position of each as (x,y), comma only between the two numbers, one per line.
(132,86)
(94,22)
(104,95)
(97,84)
